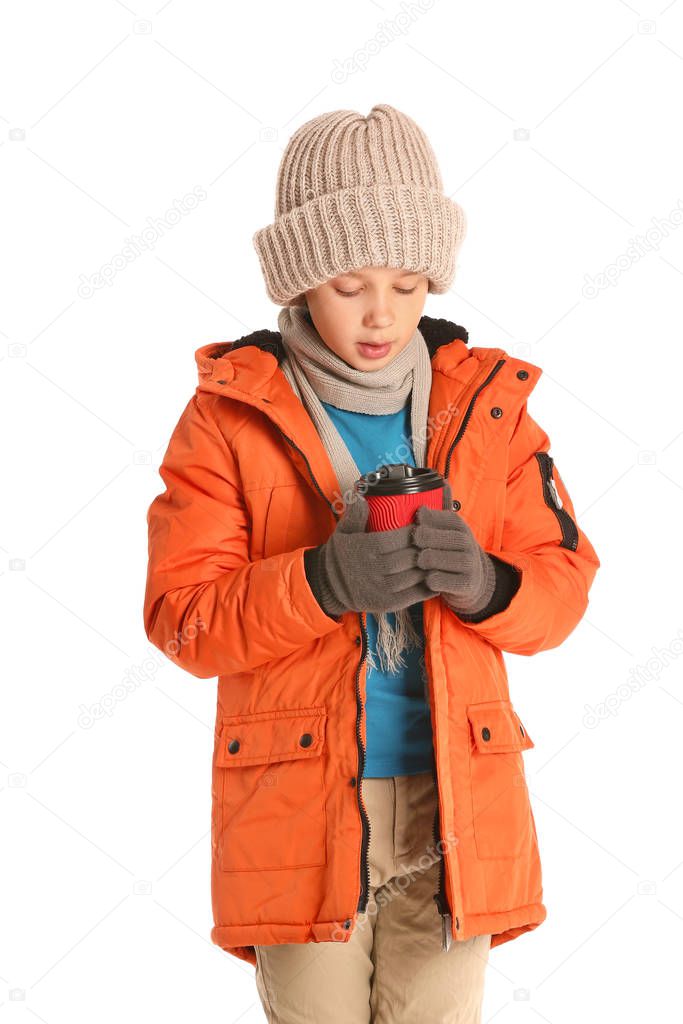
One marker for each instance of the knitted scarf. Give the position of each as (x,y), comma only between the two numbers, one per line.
(317,374)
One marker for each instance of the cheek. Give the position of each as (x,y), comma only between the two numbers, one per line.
(419,299)
(399,348)
(336,323)
(412,308)
(341,334)
(341,349)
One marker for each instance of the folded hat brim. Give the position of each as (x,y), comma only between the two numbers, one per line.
(391,225)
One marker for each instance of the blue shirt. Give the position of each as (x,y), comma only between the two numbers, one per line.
(398,721)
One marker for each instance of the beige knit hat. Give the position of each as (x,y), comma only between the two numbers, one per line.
(353,192)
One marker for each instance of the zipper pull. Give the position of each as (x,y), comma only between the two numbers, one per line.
(556,497)
(446,934)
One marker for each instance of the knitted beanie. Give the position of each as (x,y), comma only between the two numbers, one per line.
(355,192)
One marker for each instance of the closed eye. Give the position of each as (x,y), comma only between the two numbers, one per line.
(401,291)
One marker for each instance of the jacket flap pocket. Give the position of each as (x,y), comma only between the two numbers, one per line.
(496,727)
(266,736)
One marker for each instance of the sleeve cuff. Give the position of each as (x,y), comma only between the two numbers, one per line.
(315,583)
(508,579)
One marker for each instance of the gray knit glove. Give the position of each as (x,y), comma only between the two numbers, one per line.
(457,566)
(369,572)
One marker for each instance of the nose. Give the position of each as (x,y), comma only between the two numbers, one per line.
(378,314)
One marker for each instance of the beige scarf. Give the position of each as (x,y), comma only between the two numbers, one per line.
(317,374)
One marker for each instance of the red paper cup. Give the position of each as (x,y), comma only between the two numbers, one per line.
(394,493)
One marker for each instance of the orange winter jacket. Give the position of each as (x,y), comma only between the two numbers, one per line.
(249,487)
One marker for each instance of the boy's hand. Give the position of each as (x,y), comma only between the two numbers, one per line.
(458,567)
(358,571)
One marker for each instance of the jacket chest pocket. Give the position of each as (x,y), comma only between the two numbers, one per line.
(502,820)
(272,792)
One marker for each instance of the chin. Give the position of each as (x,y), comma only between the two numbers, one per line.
(369,366)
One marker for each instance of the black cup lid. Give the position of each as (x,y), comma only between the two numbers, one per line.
(398,478)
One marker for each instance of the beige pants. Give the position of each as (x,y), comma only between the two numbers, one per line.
(392,970)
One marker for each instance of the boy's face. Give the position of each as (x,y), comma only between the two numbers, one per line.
(370,305)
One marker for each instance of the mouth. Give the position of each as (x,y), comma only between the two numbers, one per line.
(374,349)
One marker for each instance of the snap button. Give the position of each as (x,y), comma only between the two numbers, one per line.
(457,922)
(347,923)
(352,780)
(486,733)
(228,371)
(455,504)
(306,739)
(357,641)
(234,746)
(521,729)
(496,412)
(522,374)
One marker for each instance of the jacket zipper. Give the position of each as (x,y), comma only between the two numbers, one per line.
(570,533)
(470,407)
(440,897)
(365,820)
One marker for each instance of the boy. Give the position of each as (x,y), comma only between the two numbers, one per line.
(372,836)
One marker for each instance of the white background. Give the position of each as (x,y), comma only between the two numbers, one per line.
(557,127)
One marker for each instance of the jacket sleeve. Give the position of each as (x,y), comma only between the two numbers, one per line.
(553,558)
(209,608)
